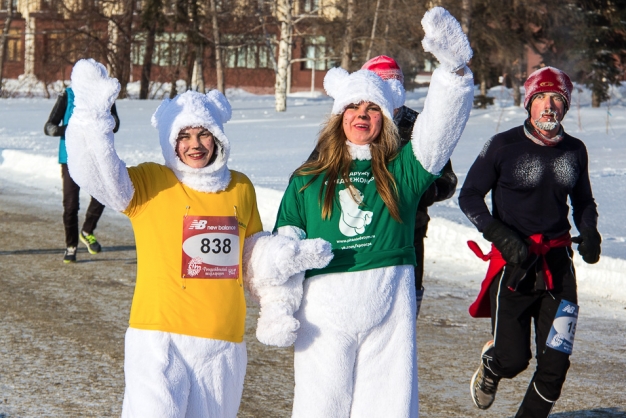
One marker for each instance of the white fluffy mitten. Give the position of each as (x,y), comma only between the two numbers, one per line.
(94,90)
(91,157)
(444,38)
(274,267)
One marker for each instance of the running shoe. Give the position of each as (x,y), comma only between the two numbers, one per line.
(484,383)
(70,255)
(93,246)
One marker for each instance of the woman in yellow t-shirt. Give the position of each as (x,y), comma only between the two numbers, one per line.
(184,349)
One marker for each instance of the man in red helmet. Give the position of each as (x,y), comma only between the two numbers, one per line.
(531,170)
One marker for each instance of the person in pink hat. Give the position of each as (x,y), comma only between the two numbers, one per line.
(441,189)
(531,171)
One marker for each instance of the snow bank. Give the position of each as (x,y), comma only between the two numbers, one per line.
(447,241)
(447,245)
(29,167)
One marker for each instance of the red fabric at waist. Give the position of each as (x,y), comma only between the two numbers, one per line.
(481,308)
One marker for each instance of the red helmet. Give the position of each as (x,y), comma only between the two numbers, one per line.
(548,80)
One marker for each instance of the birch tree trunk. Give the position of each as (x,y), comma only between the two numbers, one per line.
(283,8)
(197,78)
(346,53)
(219,66)
(373,35)
(386,36)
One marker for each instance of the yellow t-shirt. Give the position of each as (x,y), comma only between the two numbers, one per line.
(166,297)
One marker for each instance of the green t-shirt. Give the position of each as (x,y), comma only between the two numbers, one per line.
(363,236)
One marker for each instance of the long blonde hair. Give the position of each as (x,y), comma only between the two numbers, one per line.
(334,162)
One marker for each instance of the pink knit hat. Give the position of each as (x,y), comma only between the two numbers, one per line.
(548,80)
(385,67)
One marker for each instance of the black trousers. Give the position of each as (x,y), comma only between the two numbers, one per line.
(71,204)
(418,242)
(512,313)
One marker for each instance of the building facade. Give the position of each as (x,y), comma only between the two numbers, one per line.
(46,37)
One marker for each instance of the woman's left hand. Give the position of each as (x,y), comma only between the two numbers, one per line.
(445,39)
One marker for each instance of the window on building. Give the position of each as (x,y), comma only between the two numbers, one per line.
(310,5)
(66,48)
(429,66)
(221,5)
(241,52)
(50,5)
(170,49)
(4,4)
(61,45)
(315,49)
(14,46)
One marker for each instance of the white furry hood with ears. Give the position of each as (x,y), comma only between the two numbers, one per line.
(191,110)
(363,86)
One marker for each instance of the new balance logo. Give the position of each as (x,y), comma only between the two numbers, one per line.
(201,224)
(569,309)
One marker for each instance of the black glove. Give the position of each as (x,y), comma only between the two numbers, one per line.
(589,244)
(514,250)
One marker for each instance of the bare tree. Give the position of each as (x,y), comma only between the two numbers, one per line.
(5,38)
(346,51)
(153,22)
(219,65)
(466,16)
(120,39)
(373,35)
(197,42)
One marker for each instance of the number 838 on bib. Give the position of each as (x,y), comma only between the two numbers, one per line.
(210,247)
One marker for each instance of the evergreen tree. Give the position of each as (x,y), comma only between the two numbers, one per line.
(602,46)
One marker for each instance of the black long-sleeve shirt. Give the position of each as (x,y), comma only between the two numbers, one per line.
(529,185)
(443,188)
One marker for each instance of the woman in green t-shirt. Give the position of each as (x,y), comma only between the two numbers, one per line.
(355,351)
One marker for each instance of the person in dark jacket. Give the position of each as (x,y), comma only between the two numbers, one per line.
(55,126)
(443,188)
(531,171)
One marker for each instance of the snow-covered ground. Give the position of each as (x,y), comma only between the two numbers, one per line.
(268,146)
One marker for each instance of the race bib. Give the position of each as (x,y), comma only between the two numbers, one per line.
(563,329)
(210,247)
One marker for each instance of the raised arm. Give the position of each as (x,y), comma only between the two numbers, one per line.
(450,95)
(92,160)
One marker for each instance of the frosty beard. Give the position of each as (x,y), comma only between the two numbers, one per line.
(547,126)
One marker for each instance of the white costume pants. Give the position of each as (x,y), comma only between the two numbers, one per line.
(171,375)
(355,355)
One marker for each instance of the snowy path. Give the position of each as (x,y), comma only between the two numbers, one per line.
(62,330)
(62,327)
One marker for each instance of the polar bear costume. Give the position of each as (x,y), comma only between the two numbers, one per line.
(355,347)
(184,349)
